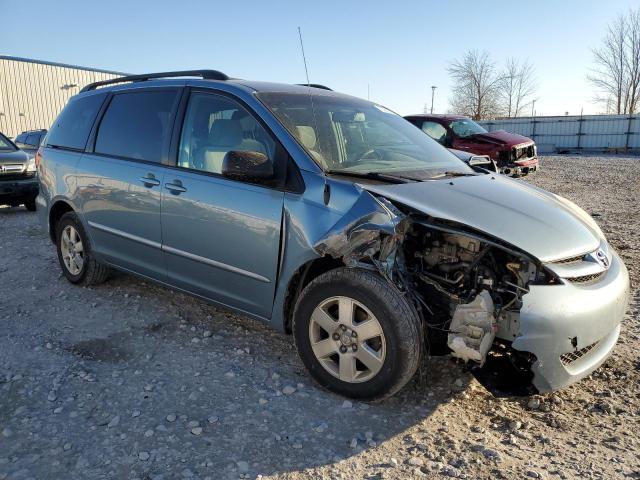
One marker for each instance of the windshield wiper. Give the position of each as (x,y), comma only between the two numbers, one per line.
(453,174)
(385,177)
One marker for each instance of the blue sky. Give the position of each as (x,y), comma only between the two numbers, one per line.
(397,48)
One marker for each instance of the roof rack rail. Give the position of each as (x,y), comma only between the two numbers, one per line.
(314,85)
(204,74)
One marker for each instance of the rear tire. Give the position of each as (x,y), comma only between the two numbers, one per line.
(357,335)
(31,206)
(75,255)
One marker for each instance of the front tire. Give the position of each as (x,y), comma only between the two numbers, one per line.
(357,335)
(75,255)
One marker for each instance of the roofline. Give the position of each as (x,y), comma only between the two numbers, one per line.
(437,115)
(55,64)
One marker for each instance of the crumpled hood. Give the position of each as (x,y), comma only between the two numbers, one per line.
(13,157)
(542,224)
(500,137)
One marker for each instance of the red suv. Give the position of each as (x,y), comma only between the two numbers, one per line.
(514,154)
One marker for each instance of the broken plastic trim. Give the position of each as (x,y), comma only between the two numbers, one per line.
(372,229)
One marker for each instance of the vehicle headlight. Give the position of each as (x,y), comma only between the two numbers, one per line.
(31,165)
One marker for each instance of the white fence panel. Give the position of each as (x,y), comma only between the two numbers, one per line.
(561,133)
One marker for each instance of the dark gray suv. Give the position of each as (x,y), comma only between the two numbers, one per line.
(30,140)
(18,183)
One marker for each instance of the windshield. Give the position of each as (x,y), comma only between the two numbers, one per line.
(466,128)
(348,135)
(6,144)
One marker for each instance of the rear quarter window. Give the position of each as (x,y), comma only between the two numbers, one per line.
(71,128)
(136,125)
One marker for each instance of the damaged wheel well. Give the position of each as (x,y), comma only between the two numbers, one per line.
(303,276)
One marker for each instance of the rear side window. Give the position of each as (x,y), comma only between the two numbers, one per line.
(71,128)
(21,138)
(136,125)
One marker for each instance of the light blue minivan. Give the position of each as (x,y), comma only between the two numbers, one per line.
(331,218)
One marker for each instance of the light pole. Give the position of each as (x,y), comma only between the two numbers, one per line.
(433,92)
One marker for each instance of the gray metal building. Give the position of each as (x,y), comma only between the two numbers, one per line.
(32,92)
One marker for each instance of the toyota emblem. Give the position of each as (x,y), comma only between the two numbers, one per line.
(602,258)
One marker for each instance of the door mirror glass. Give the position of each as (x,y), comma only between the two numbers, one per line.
(251,167)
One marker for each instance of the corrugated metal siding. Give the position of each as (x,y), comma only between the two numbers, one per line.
(588,132)
(32,93)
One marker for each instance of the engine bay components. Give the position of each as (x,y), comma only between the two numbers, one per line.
(472,329)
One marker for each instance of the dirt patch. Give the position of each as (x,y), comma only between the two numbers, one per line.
(100,350)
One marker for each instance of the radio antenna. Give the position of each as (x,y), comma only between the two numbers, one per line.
(327,191)
(304,58)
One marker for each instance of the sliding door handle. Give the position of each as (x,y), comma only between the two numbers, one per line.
(175,188)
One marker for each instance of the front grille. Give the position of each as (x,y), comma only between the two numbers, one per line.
(569,358)
(577,258)
(587,278)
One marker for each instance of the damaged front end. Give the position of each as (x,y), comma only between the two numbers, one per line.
(467,287)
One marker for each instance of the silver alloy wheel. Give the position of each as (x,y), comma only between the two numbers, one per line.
(72,250)
(347,339)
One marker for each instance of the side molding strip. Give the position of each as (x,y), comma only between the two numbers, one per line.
(180,253)
(213,263)
(126,235)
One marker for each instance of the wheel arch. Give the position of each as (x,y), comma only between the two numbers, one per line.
(57,210)
(300,279)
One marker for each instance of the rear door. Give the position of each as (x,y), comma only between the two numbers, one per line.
(120,178)
(221,237)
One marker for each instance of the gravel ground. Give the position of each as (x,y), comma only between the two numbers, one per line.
(130,380)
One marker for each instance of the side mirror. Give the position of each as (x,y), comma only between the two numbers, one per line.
(482,161)
(253,167)
(478,160)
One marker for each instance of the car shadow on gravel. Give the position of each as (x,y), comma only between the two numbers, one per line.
(502,379)
(187,380)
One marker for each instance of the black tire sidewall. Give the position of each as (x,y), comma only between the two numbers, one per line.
(352,286)
(72,219)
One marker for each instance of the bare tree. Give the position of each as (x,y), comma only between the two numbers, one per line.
(616,71)
(516,87)
(475,89)
(633,60)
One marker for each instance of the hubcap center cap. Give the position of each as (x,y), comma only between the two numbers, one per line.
(345,338)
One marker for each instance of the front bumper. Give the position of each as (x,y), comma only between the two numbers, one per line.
(18,189)
(521,167)
(572,328)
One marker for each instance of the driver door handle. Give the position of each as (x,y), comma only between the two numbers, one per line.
(149,181)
